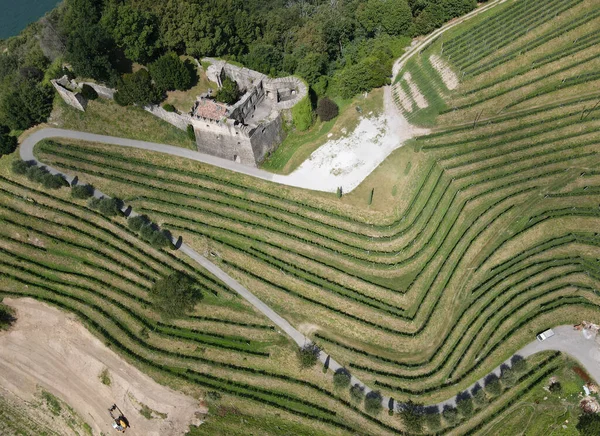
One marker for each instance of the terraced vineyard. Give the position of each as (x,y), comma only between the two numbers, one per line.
(492,238)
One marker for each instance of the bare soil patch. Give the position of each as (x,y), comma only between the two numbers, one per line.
(53,350)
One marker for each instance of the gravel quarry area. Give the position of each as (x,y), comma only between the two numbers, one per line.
(347,161)
(50,349)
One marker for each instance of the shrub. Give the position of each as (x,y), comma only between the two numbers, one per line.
(229,92)
(82,191)
(170,73)
(7,316)
(169,107)
(465,405)
(450,414)
(555,387)
(175,295)
(190,132)
(341,378)
(8,144)
(357,392)
(589,424)
(339,192)
(308,355)
(508,376)
(367,74)
(20,167)
(412,415)
(106,205)
(492,385)
(302,115)
(88,92)
(136,88)
(54,181)
(433,419)
(518,364)
(478,395)
(371,196)
(373,402)
(135,223)
(327,109)
(154,236)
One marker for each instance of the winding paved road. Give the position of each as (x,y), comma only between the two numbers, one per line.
(566,339)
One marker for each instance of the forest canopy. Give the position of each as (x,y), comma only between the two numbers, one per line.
(340,47)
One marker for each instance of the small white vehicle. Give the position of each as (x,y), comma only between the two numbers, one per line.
(545,335)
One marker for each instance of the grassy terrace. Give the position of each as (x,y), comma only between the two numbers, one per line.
(481,234)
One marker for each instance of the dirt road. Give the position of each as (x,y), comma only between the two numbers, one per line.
(52,349)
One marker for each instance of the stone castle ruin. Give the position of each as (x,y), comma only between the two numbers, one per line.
(248,130)
(244,132)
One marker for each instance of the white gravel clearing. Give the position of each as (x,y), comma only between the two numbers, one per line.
(415,91)
(448,76)
(347,161)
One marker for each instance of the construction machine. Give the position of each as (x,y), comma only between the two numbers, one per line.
(119,423)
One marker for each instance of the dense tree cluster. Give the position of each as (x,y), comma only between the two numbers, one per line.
(340,47)
(175,295)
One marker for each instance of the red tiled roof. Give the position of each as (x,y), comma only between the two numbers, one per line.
(210,109)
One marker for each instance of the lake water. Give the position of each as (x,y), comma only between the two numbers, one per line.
(17,14)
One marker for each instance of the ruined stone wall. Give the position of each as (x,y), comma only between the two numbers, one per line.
(224,140)
(181,121)
(285,91)
(70,96)
(266,138)
(103,91)
(244,108)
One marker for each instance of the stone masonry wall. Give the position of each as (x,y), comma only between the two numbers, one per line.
(181,121)
(224,140)
(69,96)
(103,91)
(266,138)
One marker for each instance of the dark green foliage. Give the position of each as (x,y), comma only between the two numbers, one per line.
(190,132)
(341,378)
(327,109)
(339,192)
(8,143)
(412,416)
(89,52)
(492,385)
(373,402)
(106,205)
(519,364)
(302,114)
(308,355)
(26,103)
(175,295)
(464,404)
(385,16)
(134,30)
(170,73)
(137,88)
(589,424)
(432,419)
(478,395)
(7,316)
(82,191)
(357,392)
(312,67)
(20,166)
(88,92)
(508,377)
(135,223)
(555,387)
(265,58)
(169,107)
(369,73)
(430,14)
(229,93)
(154,236)
(41,175)
(371,196)
(451,415)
